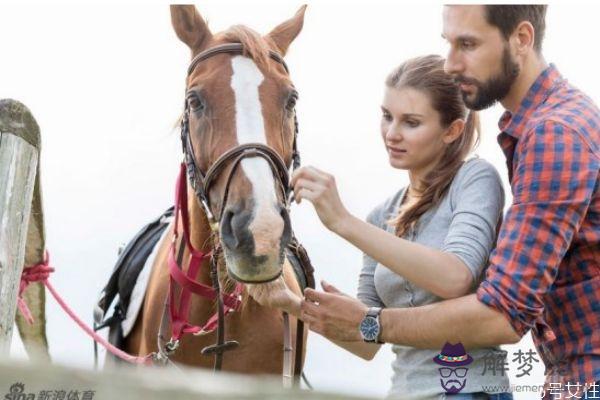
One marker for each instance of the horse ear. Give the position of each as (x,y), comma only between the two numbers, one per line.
(189,26)
(285,33)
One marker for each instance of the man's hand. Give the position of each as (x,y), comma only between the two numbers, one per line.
(332,313)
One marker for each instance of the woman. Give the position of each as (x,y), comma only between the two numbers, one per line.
(434,236)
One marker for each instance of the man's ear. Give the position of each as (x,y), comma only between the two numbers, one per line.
(523,38)
(454,131)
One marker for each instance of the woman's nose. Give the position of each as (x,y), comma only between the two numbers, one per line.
(394,133)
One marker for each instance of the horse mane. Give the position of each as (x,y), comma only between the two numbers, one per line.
(255,46)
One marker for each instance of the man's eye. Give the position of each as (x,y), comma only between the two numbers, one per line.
(467,44)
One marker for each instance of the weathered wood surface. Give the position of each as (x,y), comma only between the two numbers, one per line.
(20,145)
(146,383)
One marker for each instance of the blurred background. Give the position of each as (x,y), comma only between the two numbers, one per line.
(106,84)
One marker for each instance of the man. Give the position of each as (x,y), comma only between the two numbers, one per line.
(544,274)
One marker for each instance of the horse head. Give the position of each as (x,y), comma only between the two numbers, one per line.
(235,99)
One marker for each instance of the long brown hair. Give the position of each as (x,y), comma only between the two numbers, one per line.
(426,74)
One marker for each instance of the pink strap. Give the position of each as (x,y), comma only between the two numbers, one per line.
(40,273)
(187,281)
(35,273)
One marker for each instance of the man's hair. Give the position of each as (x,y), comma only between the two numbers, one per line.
(507,17)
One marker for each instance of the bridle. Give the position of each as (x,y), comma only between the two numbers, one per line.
(201,182)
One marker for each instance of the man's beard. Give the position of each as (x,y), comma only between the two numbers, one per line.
(494,89)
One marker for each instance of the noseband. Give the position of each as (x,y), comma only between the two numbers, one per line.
(200,181)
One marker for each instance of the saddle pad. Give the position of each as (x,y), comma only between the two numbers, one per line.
(139,290)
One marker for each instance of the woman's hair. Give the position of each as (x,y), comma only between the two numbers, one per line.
(426,74)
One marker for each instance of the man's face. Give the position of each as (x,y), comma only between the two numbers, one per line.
(479,58)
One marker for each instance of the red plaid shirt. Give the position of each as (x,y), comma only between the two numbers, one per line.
(544,274)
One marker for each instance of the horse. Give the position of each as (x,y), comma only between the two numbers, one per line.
(233,98)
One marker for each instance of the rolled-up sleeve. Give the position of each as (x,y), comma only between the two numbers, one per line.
(366,281)
(478,201)
(555,174)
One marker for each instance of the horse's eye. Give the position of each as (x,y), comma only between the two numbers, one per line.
(194,102)
(291,101)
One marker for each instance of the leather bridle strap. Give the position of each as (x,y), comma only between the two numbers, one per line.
(229,48)
(237,154)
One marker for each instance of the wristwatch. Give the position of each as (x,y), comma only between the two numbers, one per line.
(370,328)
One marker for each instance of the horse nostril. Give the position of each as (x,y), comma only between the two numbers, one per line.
(227,231)
(234,229)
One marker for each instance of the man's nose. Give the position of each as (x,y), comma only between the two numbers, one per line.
(453,64)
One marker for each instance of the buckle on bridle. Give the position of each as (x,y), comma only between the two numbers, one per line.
(171,346)
(214,224)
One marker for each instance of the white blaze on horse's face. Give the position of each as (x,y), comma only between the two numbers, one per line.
(266,225)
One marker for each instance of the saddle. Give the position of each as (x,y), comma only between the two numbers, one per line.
(124,277)
(133,259)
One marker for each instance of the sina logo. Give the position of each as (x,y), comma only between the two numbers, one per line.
(16,393)
(453,372)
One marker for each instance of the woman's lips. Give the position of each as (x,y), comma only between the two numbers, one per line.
(396,152)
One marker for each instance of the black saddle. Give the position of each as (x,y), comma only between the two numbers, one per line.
(130,263)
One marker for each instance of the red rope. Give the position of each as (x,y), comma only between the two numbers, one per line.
(35,273)
(41,273)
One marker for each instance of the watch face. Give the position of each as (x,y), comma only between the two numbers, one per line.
(369,328)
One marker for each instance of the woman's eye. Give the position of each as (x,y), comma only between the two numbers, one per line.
(195,103)
(386,116)
(412,123)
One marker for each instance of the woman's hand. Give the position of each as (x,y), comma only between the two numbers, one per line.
(320,189)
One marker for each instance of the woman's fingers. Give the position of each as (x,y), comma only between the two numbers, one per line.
(307,184)
(303,194)
(309,173)
(306,189)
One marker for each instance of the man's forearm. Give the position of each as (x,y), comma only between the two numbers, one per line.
(464,319)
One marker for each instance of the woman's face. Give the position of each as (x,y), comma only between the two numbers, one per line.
(411,130)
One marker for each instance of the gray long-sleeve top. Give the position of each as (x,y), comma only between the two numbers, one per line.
(464,223)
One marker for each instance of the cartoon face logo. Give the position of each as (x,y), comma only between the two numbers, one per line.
(453,374)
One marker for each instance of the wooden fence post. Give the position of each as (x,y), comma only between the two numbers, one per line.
(21,225)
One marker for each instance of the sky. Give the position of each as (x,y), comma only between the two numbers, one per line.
(106,84)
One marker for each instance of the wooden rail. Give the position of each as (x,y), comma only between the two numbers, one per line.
(145,383)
